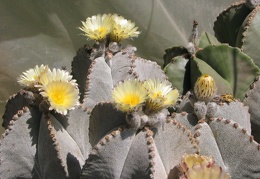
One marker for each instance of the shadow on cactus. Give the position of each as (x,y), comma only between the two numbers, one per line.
(110,118)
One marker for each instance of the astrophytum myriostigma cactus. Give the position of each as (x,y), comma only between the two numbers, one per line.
(86,125)
(35,143)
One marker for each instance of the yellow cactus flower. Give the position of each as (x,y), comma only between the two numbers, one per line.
(97,27)
(60,90)
(56,75)
(129,96)
(123,29)
(32,76)
(205,172)
(205,88)
(194,166)
(160,95)
(62,96)
(189,160)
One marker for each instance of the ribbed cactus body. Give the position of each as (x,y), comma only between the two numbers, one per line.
(222,62)
(222,134)
(237,26)
(125,152)
(114,132)
(252,100)
(58,146)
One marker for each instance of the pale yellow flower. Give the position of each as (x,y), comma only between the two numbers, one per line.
(189,160)
(60,90)
(56,75)
(97,27)
(161,95)
(62,96)
(123,29)
(195,166)
(129,96)
(31,77)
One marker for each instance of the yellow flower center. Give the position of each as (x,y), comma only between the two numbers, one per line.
(57,96)
(102,31)
(131,99)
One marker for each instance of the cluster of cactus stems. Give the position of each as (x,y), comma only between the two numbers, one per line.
(126,121)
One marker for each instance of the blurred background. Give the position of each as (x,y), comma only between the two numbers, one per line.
(35,32)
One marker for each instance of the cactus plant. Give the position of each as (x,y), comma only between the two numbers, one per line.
(56,148)
(252,100)
(118,126)
(237,25)
(223,62)
(216,123)
(56,142)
